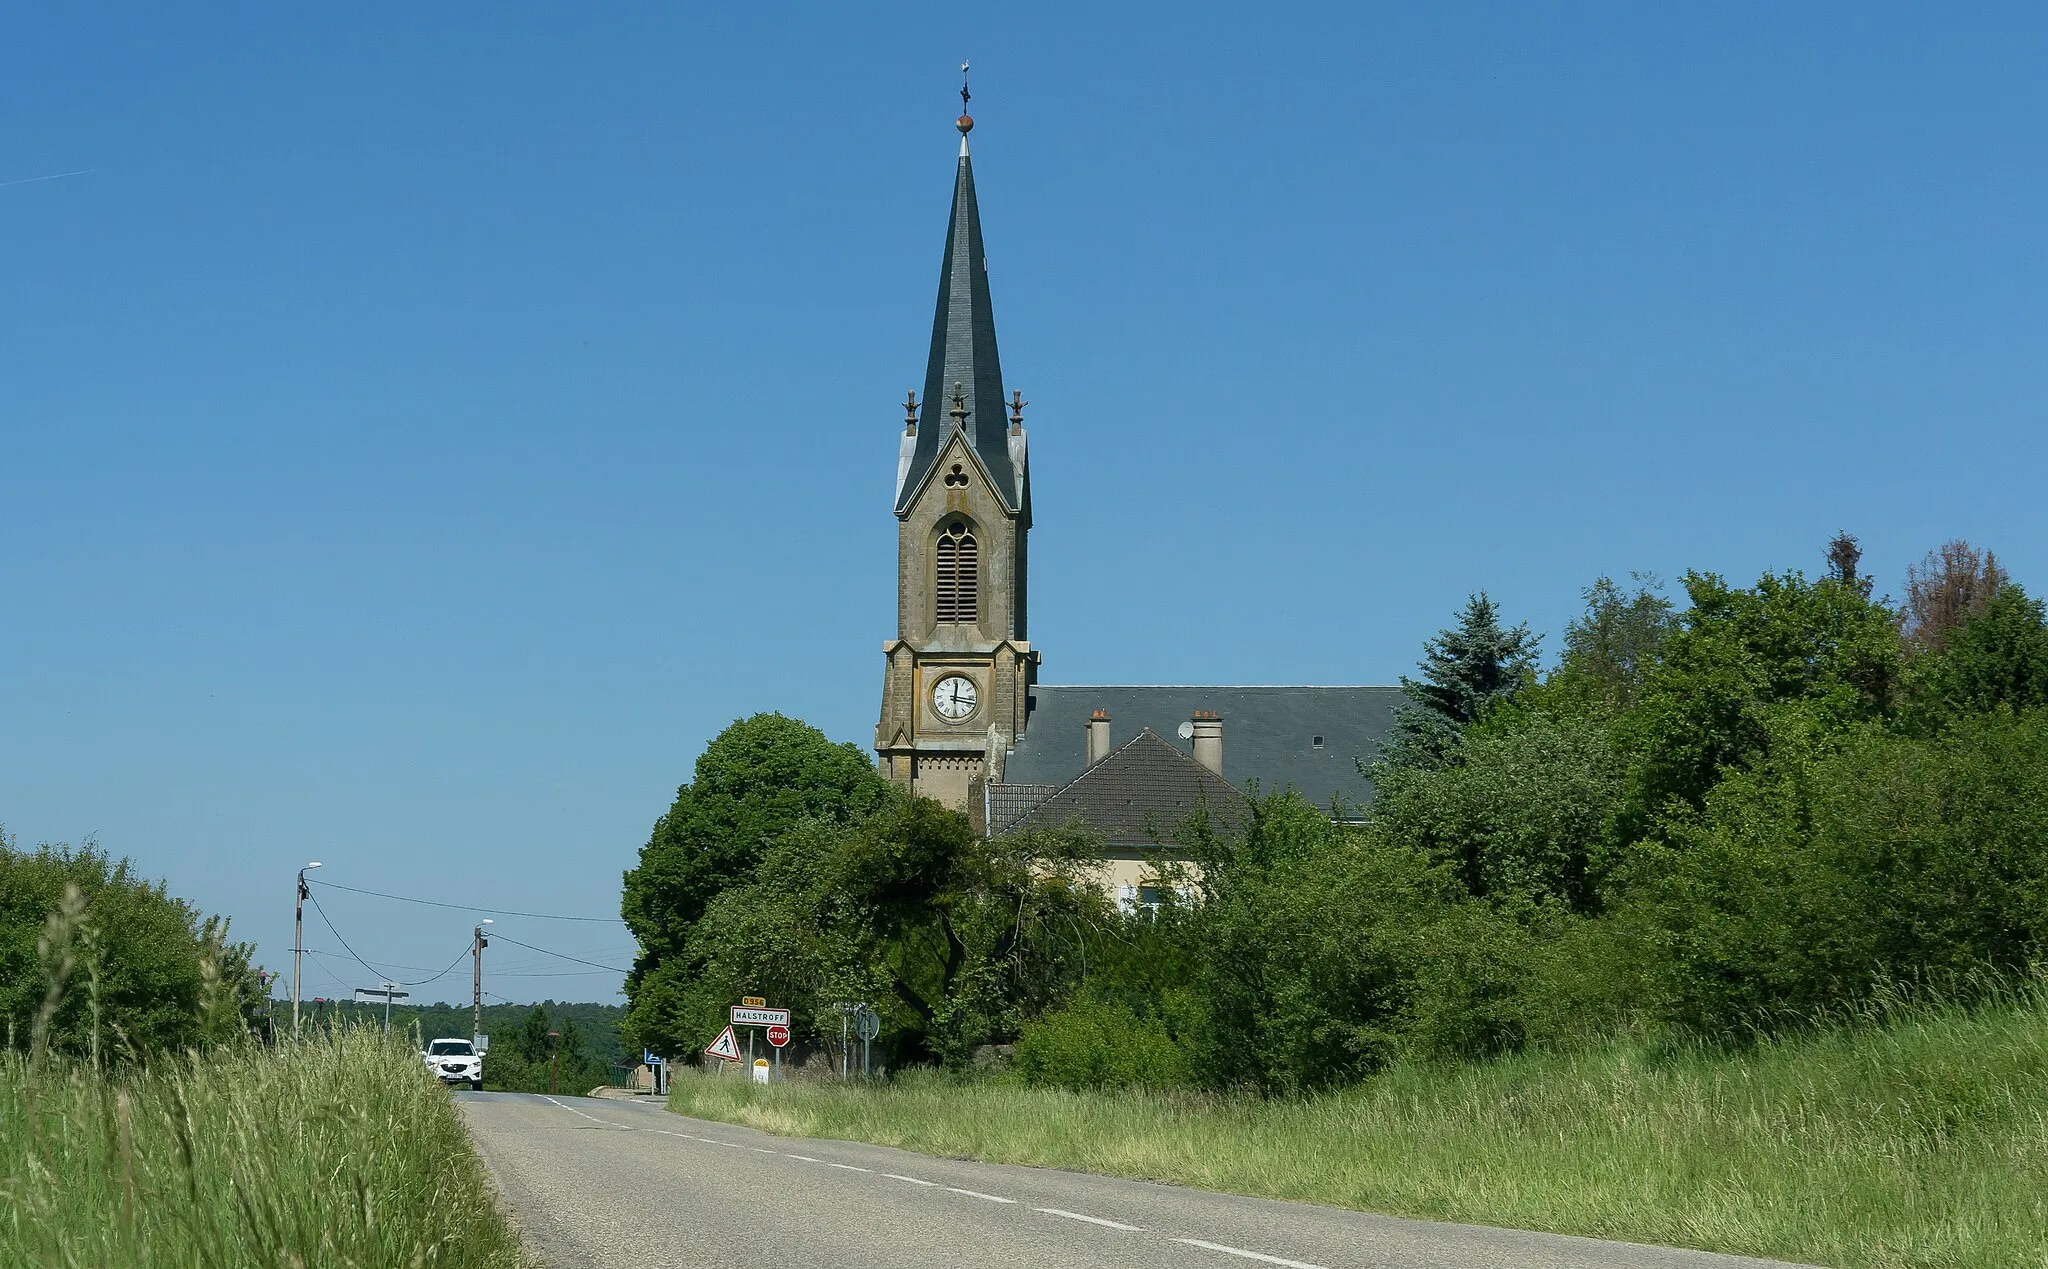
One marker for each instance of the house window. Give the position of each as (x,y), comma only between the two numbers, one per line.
(1317,743)
(959,575)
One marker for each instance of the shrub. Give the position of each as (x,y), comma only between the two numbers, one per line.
(1813,882)
(1095,1043)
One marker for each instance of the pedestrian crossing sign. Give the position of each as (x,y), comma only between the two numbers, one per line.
(726,1046)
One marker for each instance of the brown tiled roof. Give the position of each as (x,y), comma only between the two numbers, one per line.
(1139,795)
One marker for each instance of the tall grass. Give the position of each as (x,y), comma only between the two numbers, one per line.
(338,1152)
(1915,1138)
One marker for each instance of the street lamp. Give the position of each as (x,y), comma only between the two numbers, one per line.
(299,942)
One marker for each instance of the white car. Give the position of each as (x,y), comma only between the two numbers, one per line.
(455,1062)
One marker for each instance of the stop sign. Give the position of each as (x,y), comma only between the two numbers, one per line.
(778,1035)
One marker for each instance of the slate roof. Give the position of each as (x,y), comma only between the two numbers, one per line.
(1269,733)
(963,352)
(1138,796)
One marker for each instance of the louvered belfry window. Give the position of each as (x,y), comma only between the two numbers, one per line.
(959,575)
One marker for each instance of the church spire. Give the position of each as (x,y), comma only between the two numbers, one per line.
(963,349)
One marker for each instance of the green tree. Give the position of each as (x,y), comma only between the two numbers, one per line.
(1610,649)
(1524,816)
(760,778)
(530,1042)
(1993,658)
(1828,871)
(128,970)
(953,939)
(1466,670)
(1740,660)
(1321,953)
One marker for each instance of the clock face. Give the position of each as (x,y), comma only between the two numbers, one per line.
(953,697)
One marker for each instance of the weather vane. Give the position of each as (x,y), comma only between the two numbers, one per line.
(966,121)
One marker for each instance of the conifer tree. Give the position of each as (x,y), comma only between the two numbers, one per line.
(1466,670)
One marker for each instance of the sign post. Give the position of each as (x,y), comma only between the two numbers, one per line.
(778,1036)
(387,993)
(867,1024)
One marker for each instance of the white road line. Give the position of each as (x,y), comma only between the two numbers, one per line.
(806,1158)
(849,1167)
(1092,1220)
(762,1150)
(1248,1255)
(898,1176)
(993,1198)
(592,1118)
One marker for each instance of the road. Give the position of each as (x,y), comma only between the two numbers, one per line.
(596,1183)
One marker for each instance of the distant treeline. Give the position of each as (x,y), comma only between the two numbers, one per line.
(1765,806)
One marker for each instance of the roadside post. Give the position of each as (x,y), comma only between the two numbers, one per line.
(760,1070)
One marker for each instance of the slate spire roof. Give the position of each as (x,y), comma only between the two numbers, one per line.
(963,353)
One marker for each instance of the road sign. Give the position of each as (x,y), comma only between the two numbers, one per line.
(867,1024)
(647,1056)
(752,1016)
(778,1036)
(755,1001)
(482,1043)
(726,1046)
(380,995)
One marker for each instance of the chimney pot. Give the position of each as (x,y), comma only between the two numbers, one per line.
(1098,736)
(1209,739)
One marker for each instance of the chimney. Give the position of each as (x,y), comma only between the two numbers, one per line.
(1098,736)
(1209,739)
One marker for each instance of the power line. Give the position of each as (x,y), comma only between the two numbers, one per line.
(461,907)
(561,955)
(326,920)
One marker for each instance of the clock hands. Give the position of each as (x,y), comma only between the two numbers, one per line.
(954,697)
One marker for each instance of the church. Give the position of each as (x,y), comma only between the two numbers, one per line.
(964,718)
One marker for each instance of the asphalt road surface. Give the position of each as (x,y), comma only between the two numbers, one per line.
(627,1185)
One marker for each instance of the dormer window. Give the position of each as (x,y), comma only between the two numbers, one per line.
(959,575)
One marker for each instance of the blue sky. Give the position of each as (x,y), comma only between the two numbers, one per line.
(420,433)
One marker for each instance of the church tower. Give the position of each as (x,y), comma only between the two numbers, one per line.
(959,669)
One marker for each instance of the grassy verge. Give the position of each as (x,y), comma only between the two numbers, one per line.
(1923,1141)
(338,1153)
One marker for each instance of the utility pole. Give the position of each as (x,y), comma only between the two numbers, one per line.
(476,1021)
(299,943)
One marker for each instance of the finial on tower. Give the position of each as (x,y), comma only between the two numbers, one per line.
(910,414)
(1017,404)
(959,410)
(966,121)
